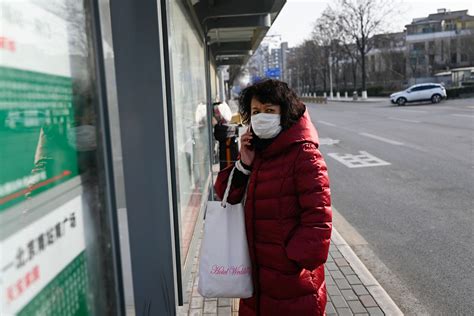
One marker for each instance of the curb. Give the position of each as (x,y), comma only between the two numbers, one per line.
(358,101)
(373,286)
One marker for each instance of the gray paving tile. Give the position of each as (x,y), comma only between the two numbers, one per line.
(339,301)
(342,284)
(195,312)
(183,310)
(222,302)
(188,293)
(344,312)
(224,311)
(341,262)
(353,279)
(333,290)
(336,255)
(360,289)
(375,311)
(330,280)
(330,310)
(197,302)
(357,307)
(368,301)
(210,307)
(337,275)
(349,295)
(331,266)
(330,259)
(347,270)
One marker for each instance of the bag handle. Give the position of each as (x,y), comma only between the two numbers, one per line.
(227,190)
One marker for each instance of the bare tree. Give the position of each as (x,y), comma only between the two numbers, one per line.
(326,38)
(358,21)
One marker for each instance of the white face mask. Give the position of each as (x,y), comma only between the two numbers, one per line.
(266,125)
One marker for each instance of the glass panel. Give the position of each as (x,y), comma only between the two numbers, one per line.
(190,119)
(55,256)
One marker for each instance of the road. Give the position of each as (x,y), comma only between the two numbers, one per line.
(402,181)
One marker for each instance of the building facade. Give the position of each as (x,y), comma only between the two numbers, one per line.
(269,60)
(439,42)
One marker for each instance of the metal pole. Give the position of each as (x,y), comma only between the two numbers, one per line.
(330,76)
(209,112)
(141,92)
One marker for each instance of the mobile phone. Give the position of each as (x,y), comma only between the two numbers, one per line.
(252,141)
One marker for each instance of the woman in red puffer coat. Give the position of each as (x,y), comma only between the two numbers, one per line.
(288,206)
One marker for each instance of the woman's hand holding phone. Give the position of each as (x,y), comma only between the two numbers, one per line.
(247,152)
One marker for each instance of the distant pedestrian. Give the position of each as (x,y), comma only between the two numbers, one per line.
(288,205)
(225,133)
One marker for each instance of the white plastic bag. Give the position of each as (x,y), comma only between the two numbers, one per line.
(225,267)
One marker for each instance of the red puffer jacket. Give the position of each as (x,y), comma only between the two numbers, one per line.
(288,221)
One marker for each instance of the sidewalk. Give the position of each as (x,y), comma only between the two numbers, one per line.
(360,100)
(352,290)
(348,100)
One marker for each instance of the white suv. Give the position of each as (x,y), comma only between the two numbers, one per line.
(433,92)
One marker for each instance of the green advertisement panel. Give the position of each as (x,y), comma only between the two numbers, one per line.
(38,149)
(46,139)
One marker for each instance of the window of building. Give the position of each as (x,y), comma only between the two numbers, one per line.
(450,26)
(55,249)
(431,59)
(464,57)
(421,60)
(453,44)
(431,45)
(454,58)
(419,46)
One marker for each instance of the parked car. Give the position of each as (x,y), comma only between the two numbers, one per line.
(433,92)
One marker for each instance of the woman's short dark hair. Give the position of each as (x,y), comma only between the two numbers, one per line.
(275,92)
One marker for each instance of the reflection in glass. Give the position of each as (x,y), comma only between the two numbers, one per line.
(55,255)
(190,120)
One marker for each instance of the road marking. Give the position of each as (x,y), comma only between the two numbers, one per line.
(403,120)
(470,106)
(363,159)
(382,139)
(413,111)
(463,115)
(328,141)
(326,123)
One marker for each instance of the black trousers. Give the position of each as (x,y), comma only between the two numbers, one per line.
(228,152)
